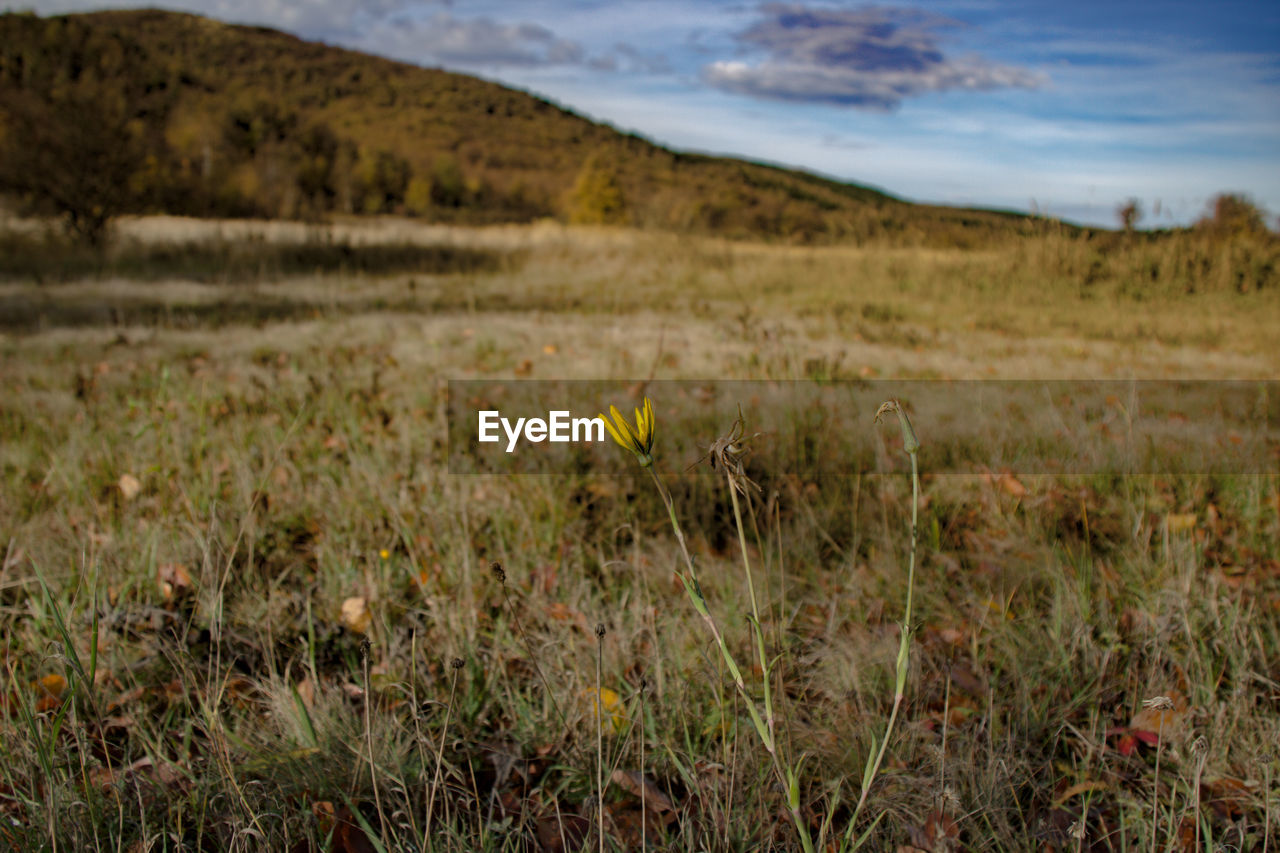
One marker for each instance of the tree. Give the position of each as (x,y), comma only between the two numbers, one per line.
(73,153)
(383,178)
(417,198)
(1233,214)
(317,153)
(448,184)
(1129,214)
(597,197)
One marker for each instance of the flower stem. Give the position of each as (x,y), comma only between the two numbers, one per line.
(904,648)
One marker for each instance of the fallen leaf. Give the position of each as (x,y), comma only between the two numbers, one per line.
(562,612)
(129,486)
(306,693)
(941,833)
(356,615)
(49,691)
(1149,738)
(174,581)
(965,679)
(53,685)
(323,812)
(348,835)
(635,783)
(1228,796)
(1151,724)
(1012,486)
(562,832)
(1126,744)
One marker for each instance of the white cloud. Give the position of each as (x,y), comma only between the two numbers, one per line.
(483,41)
(873,57)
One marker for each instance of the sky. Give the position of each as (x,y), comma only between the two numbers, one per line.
(1062,108)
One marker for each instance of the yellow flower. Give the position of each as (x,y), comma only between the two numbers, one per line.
(609,707)
(637,439)
(384,554)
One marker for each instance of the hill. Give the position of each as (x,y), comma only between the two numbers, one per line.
(235,120)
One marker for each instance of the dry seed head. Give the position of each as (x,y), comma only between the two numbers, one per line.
(499,573)
(1200,746)
(727,452)
(910,444)
(457,663)
(365,645)
(1158,703)
(600,630)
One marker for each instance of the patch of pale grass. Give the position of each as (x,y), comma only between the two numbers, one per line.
(368,231)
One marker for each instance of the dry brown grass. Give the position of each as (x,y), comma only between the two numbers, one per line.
(285,455)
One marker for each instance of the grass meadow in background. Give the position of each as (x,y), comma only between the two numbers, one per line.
(245,606)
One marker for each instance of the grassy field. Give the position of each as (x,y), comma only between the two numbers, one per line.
(244,604)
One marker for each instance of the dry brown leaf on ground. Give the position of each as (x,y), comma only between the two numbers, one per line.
(1163,720)
(306,689)
(940,834)
(348,836)
(562,833)
(1012,486)
(635,783)
(356,615)
(174,581)
(129,486)
(340,826)
(1228,797)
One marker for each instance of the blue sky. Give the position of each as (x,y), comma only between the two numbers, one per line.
(1064,108)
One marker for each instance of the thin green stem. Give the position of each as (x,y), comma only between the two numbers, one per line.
(742,543)
(904,647)
(694,590)
(784,773)
(1155,786)
(600,735)
(455,665)
(675,523)
(755,610)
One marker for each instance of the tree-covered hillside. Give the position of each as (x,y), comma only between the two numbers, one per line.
(173,112)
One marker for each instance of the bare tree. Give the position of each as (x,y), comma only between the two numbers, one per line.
(1130,214)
